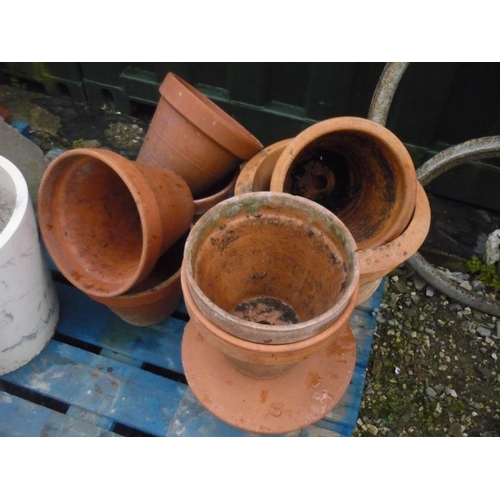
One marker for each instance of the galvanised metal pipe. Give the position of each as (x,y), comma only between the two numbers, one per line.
(473,150)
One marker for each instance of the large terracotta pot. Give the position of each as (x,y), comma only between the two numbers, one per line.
(194,137)
(106,220)
(262,388)
(29,308)
(271,267)
(155,298)
(356,168)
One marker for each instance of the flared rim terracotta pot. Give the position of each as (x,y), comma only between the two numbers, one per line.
(191,135)
(356,168)
(155,298)
(29,306)
(106,220)
(271,268)
(257,173)
(268,389)
(375,263)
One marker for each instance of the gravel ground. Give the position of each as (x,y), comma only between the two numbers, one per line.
(433,369)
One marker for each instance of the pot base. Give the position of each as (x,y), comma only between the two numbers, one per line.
(293,401)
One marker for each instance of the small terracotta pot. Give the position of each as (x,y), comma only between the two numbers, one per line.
(356,168)
(375,263)
(271,267)
(106,220)
(154,299)
(256,174)
(221,191)
(194,137)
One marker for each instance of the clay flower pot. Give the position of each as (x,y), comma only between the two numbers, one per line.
(106,220)
(220,191)
(375,263)
(356,168)
(154,299)
(271,268)
(257,173)
(262,388)
(29,308)
(194,137)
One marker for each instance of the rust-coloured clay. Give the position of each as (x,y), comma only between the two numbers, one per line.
(221,191)
(155,298)
(257,360)
(191,135)
(257,172)
(293,401)
(106,220)
(356,168)
(377,262)
(271,267)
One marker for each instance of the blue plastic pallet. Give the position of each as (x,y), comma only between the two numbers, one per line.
(100,376)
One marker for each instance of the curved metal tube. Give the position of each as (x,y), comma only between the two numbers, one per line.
(473,150)
(385,90)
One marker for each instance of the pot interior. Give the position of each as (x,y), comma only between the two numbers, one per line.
(350,174)
(100,220)
(7,198)
(270,265)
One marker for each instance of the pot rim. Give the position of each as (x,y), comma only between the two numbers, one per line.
(382,259)
(214,122)
(201,205)
(246,177)
(21,199)
(270,350)
(297,330)
(125,169)
(402,212)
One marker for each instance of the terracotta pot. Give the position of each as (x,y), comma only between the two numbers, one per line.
(375,263)
(29,307)
(256,174)
(356,168)
(106,220)
(154,299)
(267,388)
(271,267)
(194,137)
(221,191)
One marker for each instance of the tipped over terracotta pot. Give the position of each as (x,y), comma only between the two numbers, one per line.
(106,220)
(192,136)
(155,298)
(356,168)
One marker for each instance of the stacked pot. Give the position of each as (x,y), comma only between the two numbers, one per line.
(116,228)
(360,171)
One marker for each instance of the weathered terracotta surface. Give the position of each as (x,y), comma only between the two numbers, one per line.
(271,267)
(257,172)
(376,263)
(278,405)
(191,135)
(106,220)
(257,360)
(220,191)
(356,168)
(155,298)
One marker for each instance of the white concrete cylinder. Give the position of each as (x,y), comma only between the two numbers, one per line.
(29,307)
